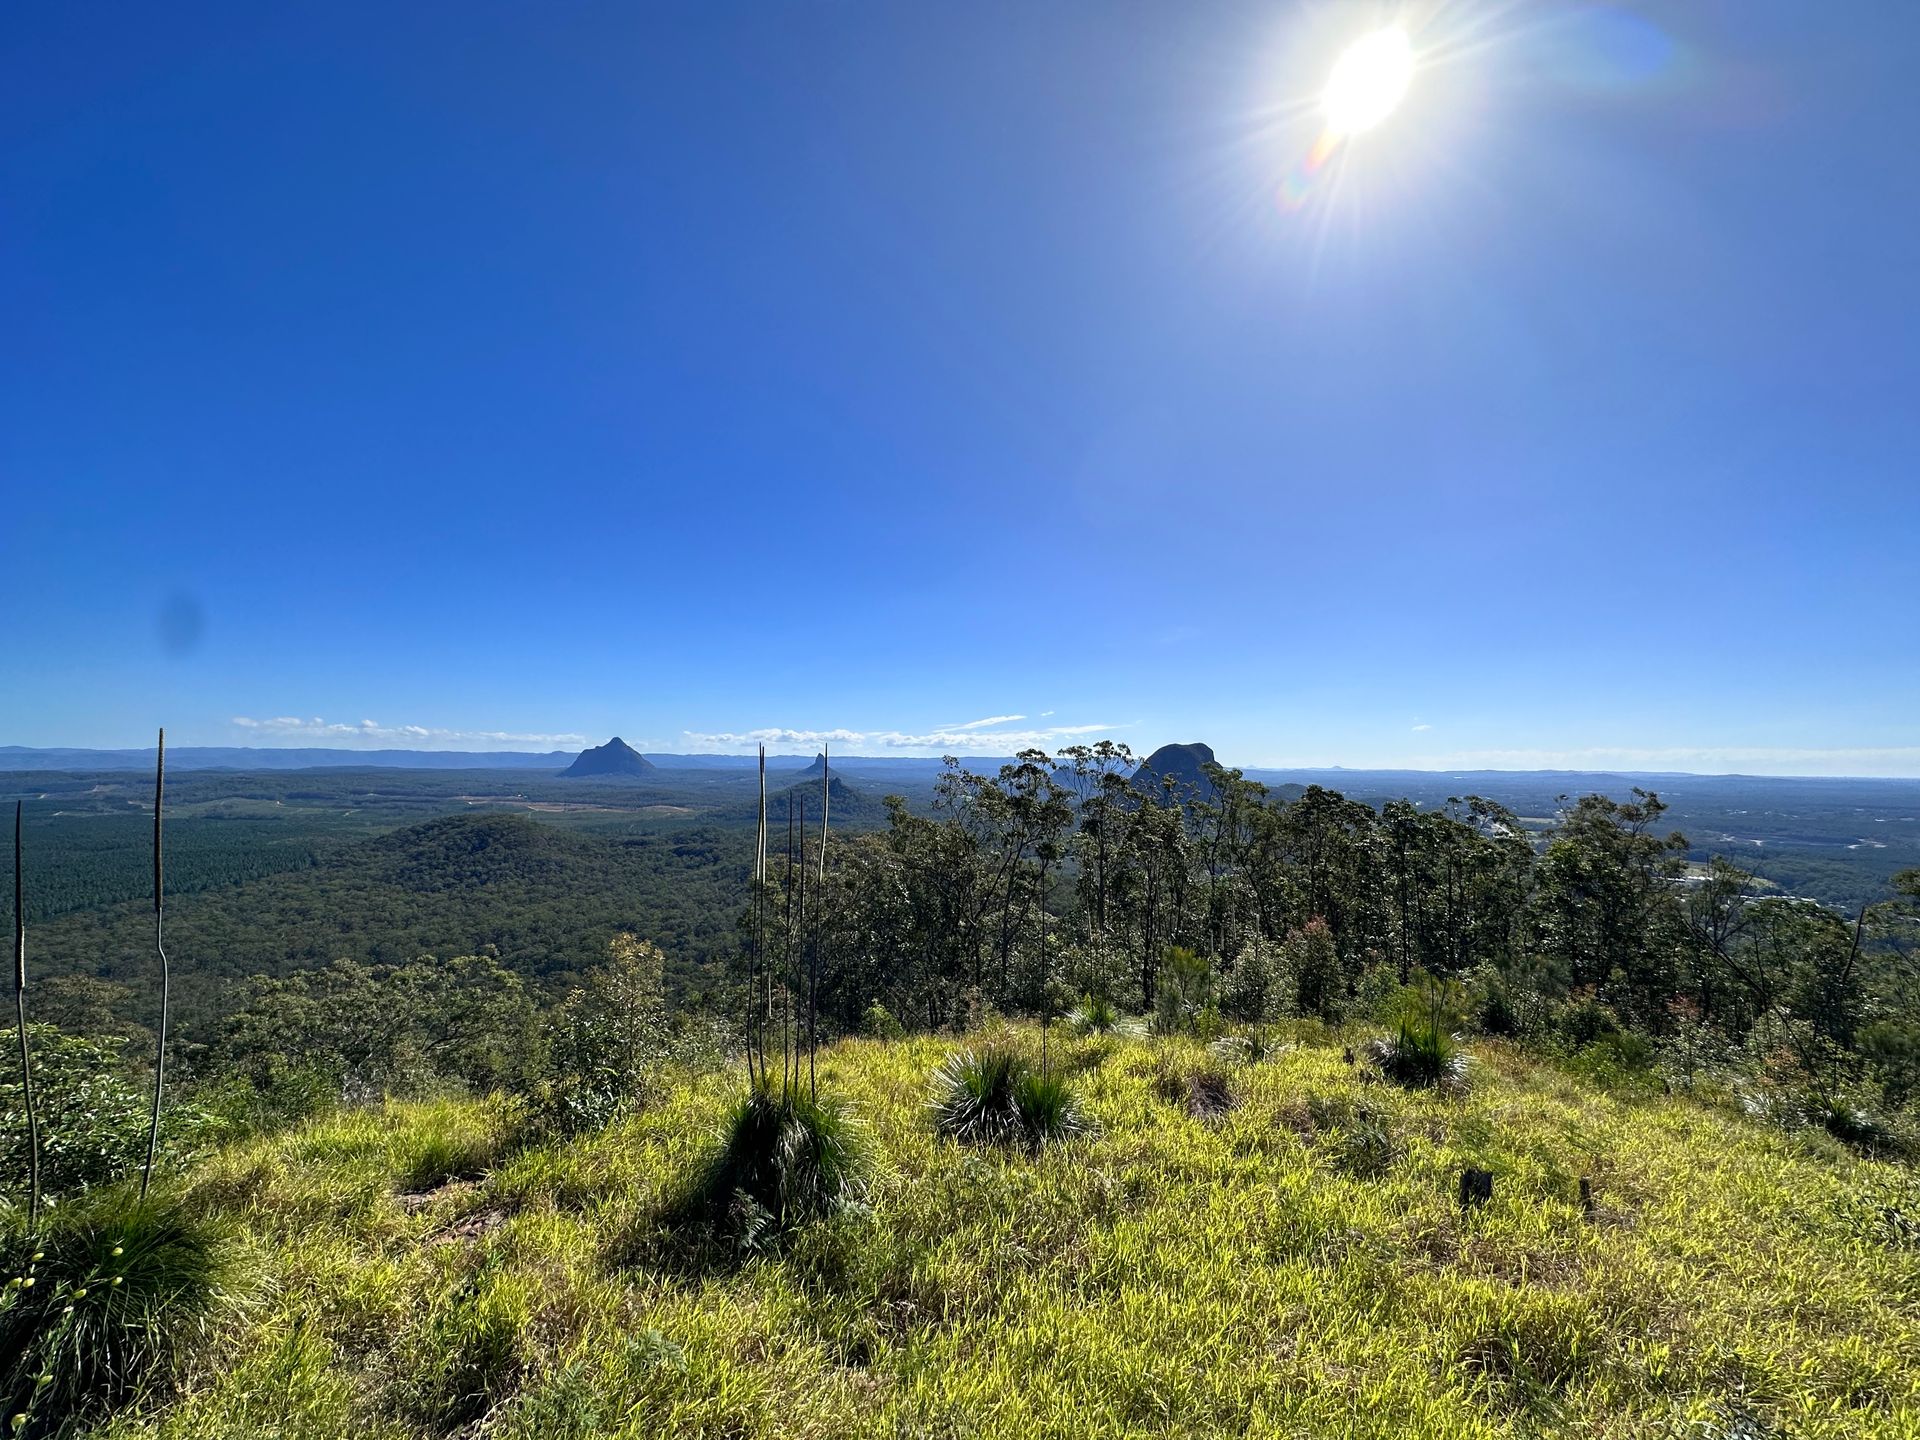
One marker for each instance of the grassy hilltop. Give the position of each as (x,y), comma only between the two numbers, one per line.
(1299,1265)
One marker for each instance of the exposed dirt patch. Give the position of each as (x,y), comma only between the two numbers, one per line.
(414,1201)
(469,1228)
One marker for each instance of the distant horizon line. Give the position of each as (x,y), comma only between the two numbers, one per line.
(181,751)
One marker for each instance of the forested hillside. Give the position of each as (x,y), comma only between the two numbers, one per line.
(545,899)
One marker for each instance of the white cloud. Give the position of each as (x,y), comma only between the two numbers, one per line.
(371,734)
(981,724)
(1422,726)
(968,739)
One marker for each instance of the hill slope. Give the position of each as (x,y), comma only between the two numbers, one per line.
(1297,1267)
(546,898)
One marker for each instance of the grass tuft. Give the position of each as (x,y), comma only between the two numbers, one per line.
(784,1159)
(1096,1015)
(103,1302)
(1420,1055)
(994,1097)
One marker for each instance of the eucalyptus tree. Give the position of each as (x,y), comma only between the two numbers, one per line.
(1224,823)
(1607,903)
(1332,850)
(1103,787)
(1155,855)
(20,1021)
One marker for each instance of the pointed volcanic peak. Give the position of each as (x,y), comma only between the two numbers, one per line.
(850,806)
(817,769)
(614,759)
(1184,765)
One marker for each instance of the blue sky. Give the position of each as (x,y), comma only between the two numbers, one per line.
(491,375)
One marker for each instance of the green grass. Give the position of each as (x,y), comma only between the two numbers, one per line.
(1297,1265)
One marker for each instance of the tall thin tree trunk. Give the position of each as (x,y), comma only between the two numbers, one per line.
(786,955)
(20,1019)
(813,973)
(159,945)
(757,962)
(767,966)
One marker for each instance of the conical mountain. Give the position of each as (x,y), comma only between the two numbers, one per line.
(615,758)
(1184,765)
(849,806)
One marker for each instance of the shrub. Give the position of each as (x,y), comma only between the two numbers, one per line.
(1505,1004)
(1378,994)
(878,1023)
(994,1097)
(783,1159)
(1312,963)
(93,1117)
(1622,1058)
(101,1304)
(1892,1051)
(606,1041)
(1363,1144)
(1579,1023)
(1255,988)
(422,1027)
(1094,1015)
(1857,1126)
(237,1106)
(1102,970)
(1183,991)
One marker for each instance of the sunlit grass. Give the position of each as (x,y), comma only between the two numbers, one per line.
(1295,1265)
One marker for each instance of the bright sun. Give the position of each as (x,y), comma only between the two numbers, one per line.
(1368,81)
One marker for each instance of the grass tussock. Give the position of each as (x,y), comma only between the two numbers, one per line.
(1420,1055)
(1096,1015)
(1204,1091)
(784,1158)
(1299,1265)
(104,1302)
(993,1096)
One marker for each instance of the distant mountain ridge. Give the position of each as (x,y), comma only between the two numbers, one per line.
(616,757)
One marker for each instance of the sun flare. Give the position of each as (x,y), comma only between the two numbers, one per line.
(1368,81)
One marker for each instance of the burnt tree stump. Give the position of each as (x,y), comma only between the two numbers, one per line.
(1476,1187)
